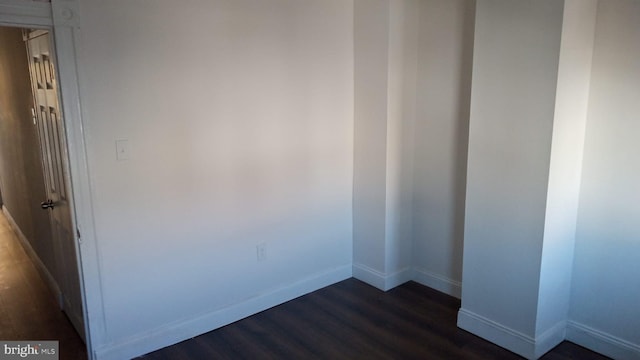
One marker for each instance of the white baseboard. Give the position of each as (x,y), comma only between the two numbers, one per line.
(42,269)
(438,282)
(380,280)
(550,339)
(170,334)
(369,275)
(510,339)
(496,333)
(601,342)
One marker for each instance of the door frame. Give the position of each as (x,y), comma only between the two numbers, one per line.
(60,17)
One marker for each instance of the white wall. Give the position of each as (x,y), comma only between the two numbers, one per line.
(604,314)
(413,82)
(371,42)
(590,179)
(515,68)
(570,118)
(239,115)
(441,133)
(403,37)
(385,39)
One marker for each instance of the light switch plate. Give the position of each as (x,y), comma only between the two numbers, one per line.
(122,149)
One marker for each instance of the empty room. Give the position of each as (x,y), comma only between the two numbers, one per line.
(321,178)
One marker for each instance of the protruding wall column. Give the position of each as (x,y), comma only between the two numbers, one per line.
(565,171)
(385,65)
(528,110)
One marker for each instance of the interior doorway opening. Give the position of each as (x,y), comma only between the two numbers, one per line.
(34,164)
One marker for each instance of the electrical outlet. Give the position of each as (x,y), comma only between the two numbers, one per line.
(261,252)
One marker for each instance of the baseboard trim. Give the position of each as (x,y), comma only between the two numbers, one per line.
(438,282)
(496,333)
(175,332)
(381,280)
(601,342)
(369,275)
(550,339)
(31,253)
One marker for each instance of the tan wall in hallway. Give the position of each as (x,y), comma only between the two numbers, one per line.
(21,179)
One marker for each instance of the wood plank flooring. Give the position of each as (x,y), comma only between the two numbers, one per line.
(28,310)
(352,320)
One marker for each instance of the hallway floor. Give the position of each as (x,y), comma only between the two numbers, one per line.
(28,310)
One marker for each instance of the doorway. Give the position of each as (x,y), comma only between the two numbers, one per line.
(62,18)
(35,176)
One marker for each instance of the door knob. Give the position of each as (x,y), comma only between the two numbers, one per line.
(47,204)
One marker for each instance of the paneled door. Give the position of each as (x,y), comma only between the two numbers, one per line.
(53,148)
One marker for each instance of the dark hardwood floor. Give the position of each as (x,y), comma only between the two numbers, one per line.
(352,320)
(28,310)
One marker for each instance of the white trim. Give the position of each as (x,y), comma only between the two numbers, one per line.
(438,282)
(511,339)
(26,245)
(65,35)
(20,12)
(173,333)
(368,275)
(601,342)
(381,280)
(550,339)
(397,278)
(496,333)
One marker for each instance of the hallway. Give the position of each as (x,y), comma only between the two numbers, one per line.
(28,310)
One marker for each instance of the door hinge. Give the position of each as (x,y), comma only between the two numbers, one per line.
(78,236)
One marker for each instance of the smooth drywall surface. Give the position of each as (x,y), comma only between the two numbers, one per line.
(239,121)
(403,33)
(385,41)
(606,275)
(515,70)
(572,98)
(21,178)
(441,135)
(371,47)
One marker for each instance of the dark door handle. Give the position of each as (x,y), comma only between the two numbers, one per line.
(47,204)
